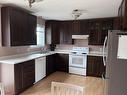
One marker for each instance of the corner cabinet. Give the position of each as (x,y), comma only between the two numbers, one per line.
(52,32)
(18,27)
(98,30)
(95,66)
(66,30)
(62,62)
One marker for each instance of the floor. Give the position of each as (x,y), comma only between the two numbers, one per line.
(93,85)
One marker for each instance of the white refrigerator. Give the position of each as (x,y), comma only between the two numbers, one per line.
(116,63)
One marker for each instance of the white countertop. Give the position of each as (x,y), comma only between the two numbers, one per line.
(19,58)
(96,53)
(15,59)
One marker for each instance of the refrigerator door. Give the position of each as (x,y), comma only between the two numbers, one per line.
(122,48)
(108,65)
(116,68)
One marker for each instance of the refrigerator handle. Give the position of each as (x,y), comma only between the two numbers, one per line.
(104,47)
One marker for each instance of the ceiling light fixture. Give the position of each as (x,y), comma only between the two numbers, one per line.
(77,13)
(33,1)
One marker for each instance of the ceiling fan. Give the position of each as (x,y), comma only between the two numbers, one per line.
(33,1)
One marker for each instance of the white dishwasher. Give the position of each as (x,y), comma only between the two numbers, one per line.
(40,68)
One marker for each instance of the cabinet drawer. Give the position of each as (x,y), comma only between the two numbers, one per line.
(28,69)
(28,63)
(29,74)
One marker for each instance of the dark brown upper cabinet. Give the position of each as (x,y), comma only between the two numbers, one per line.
(66,30)
(80,27)
(18,27)
(60,32)
(52,32)
(98,30)
(84,27)
(122,13)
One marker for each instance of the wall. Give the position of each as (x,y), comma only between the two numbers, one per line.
(5,51)
(80,43)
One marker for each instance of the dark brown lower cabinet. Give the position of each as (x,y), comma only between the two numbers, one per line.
(17,77)
(95,66)
(28,73)
(57,62)
(62,62)
(50,64)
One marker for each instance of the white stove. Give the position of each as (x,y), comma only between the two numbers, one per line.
(78,60)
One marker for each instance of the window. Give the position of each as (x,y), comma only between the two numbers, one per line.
(40,35)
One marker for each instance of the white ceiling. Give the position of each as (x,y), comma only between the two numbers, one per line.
(62,9)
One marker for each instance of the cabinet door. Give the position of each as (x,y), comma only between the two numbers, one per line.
(28,73)
(76,27)
(31,33)
(124,14)
(18,27)
(84,27)
(63,63)
(94,28)
(18,78)
(90,65)
(106,24)
(66,31)
(50,62)
(52,32)
(55,32)
(95,66)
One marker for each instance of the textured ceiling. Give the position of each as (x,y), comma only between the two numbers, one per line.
(62,9)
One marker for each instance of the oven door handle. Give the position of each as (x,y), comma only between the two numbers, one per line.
(77,54)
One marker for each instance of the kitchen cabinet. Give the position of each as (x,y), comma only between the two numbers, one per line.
(18,27)
(95,66)
(17,77)
(28,73)
(52,32)
(122,13)
(40,68)
(63,63)
(60,32)
(66,30)
(50,64)
(84,27)
(116,23)
(76,30)
(98,30)
(31,32)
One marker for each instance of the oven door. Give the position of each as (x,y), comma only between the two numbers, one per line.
(76,60)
